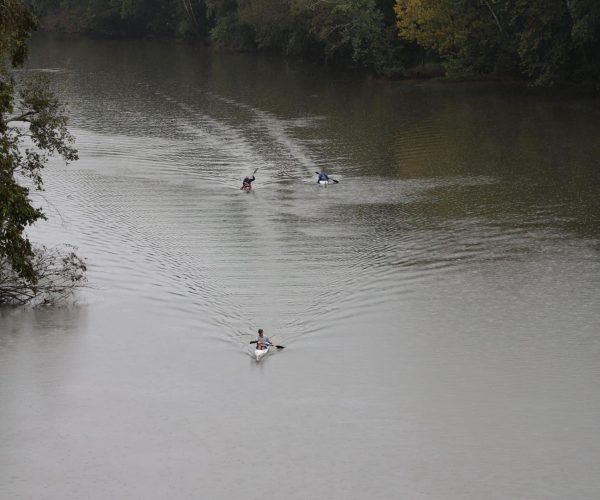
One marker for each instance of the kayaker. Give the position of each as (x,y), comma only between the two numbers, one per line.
(247,183)
(261,341)
(323,177)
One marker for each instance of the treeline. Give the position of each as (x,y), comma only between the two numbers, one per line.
(547,42)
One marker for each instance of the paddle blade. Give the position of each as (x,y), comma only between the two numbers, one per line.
(337,182)
(253,341)
(280,346)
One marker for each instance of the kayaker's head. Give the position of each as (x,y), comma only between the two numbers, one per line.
(260,331)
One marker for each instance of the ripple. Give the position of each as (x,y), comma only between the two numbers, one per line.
(155,204)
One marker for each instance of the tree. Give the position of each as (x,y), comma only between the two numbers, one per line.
(466,34)
(352,27)
(32,128)
(586,38)
(542,32)
(547,41)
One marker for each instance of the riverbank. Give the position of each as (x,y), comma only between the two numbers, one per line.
(385,38)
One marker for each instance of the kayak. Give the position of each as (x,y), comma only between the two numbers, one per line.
(261,353)
(323,183)
(247,188)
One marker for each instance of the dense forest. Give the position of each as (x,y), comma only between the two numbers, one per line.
(546,42)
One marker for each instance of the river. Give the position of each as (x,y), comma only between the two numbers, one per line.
(438,306)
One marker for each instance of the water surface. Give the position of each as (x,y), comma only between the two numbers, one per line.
(439,305)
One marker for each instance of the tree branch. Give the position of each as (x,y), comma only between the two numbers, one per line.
(21,118)
(487,3)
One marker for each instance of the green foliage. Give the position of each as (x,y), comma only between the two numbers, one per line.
(548,41)
(232,34)
(184,19)
(586,39)
(16,213)
(352,28)
(541,31)
(29,114)
(271,21)
(16,23)
(465,34)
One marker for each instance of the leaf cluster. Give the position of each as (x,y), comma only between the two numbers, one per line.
(346,32)
(547,42)
(184,19)
(16,23)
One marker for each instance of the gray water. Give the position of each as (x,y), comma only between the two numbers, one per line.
(438,305)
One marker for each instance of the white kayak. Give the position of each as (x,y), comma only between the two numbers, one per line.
(323,183)
(261,353)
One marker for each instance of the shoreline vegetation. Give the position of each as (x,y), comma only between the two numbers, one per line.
(551,44)
(33,127)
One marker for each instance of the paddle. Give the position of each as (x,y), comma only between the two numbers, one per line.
(337,182)
(278,346)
